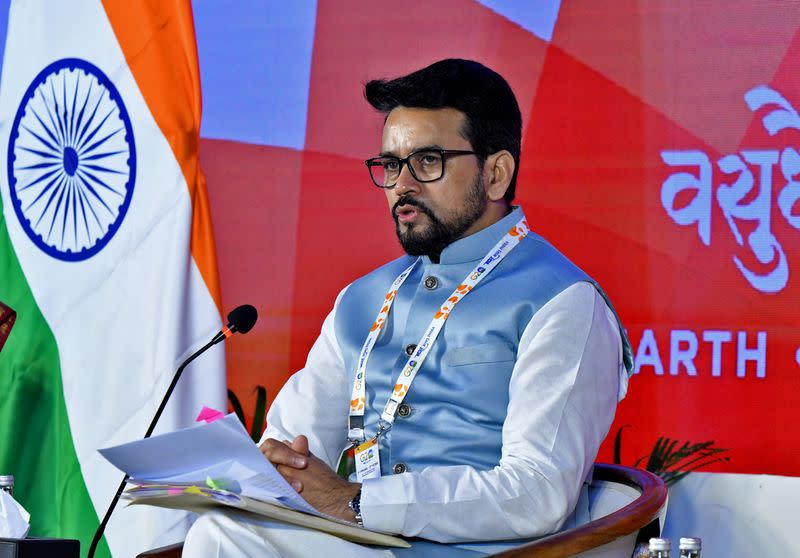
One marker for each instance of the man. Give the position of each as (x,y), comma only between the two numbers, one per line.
(480,393)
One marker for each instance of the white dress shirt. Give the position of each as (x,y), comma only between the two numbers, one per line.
(563,391)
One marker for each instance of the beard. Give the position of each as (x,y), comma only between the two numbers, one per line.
(421,240)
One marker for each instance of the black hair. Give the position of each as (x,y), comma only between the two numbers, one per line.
(493,119)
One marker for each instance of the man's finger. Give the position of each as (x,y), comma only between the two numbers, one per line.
(288,474)
(300,445)
(281,454)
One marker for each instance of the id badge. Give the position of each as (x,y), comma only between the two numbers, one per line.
(368,461)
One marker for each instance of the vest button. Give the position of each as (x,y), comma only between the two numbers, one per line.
(410,349)
(399,468)
(431,282)
(404,410)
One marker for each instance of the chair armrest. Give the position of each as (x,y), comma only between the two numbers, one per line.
(628,519)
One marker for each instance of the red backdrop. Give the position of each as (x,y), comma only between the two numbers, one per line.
(624,99)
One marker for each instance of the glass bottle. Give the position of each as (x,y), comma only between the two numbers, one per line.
(7,483)
(659,548)
(690,547)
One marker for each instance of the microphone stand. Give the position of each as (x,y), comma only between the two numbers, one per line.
(99,533)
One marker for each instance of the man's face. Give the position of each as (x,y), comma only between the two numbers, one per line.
(429,216)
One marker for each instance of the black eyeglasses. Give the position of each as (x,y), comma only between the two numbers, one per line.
(426,165)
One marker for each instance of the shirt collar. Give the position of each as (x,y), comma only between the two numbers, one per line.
(476,246)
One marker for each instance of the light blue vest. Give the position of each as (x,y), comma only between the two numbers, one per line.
(459,397)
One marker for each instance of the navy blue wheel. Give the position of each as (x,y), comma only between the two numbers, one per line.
(71,160)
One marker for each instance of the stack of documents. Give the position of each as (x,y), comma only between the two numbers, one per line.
(217,464)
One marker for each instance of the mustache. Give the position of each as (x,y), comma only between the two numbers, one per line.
(408,200)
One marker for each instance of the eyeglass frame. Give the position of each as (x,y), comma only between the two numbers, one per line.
(443,153)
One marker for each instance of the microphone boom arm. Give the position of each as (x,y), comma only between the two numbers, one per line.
(102,527)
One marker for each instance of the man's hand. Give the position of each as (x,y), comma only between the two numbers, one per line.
(294,455)
(319,485)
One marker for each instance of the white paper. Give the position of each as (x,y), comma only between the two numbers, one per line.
(14,519)
(221,450)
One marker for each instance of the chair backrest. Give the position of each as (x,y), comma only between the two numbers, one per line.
(603,532)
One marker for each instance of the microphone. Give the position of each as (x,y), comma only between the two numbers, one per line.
(240,320)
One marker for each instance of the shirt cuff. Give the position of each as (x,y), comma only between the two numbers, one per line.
(383,503)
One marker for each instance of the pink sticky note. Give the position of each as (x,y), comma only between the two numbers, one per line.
(174,491)
(209,415)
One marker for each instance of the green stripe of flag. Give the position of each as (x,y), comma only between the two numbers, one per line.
(35,437)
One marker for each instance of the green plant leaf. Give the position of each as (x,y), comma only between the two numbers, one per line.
(673,462)
(656,461)
(672,477)
(669,451)
(237,407)
(259,414)
(701,455)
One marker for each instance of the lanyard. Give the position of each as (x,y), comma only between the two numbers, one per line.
(358,398)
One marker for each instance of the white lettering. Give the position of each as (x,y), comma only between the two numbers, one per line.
(716,338)
(790,167)
(785,117)
(679,355)
(757,354)
(757,208)
(699,210)
(687,356)
(647,354)
(761,241)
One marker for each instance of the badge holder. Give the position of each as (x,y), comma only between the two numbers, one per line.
(368,461)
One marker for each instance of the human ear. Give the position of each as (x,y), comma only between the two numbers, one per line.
(500,170)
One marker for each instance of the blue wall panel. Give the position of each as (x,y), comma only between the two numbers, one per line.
(537,17)
(255,66)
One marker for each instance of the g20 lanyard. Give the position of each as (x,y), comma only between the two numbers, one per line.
(358,398)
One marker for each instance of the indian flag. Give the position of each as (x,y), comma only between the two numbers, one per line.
(106,254)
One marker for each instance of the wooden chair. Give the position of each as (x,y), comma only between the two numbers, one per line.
(618,533)
(614,534)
